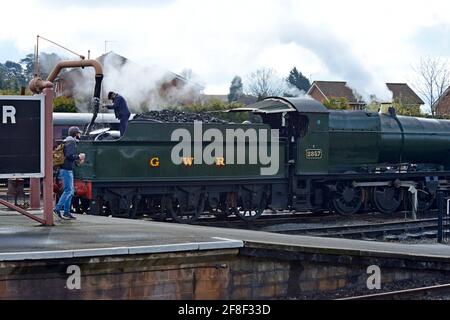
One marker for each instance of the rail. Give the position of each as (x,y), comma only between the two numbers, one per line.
(404,294)
(369,230)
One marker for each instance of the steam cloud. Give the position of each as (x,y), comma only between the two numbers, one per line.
(144,88)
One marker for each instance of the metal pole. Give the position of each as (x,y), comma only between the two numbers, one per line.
(48,179)
(35,193)
(440,199)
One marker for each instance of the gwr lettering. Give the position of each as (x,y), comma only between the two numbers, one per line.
(8,114)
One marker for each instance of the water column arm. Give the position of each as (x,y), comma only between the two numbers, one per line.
(97,90)
(37,84)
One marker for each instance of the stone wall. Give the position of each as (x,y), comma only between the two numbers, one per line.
(254,272)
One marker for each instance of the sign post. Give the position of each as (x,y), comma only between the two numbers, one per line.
(21,137)
(48,179)
(26,144)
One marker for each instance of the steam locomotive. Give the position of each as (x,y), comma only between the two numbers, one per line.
(342,161)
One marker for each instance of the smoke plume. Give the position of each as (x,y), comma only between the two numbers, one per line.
(144,88)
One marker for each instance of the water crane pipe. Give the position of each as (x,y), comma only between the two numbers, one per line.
(74,64)
(36,85)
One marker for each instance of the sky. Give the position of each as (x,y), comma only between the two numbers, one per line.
(366,43)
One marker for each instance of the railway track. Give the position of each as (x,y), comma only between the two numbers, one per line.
(442,290)
(265,220)
(368,226)
(387,230)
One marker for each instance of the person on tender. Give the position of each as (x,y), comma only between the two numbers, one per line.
(121,110)
(66,173)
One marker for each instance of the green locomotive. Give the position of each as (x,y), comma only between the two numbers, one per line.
(345,161)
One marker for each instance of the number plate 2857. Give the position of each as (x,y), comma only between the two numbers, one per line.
(313,153)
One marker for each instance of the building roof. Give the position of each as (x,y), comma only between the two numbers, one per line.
(336,89)
(403,93)
(442,105)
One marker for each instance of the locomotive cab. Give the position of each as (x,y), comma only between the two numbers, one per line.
(303,124)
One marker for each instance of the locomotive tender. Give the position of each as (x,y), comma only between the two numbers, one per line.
(345,161)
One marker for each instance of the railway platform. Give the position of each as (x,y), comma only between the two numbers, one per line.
(136,259)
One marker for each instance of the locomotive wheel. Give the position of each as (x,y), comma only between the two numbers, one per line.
(222,211)
(386,199)
(157,211)
(80,205)
(424,200)
(347,200)
(249,212)
(225,206)
(182,213)
(132,211)
(97,208)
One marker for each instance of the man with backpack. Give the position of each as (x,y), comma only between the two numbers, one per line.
(66,173)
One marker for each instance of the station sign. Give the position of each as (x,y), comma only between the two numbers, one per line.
(21,136)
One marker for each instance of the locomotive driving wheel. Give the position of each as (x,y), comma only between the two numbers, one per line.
(347,200)
(184,211)
(156,208)
(387,199)
(424,200)
(251,205)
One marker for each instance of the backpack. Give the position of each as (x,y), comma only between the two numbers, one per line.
(58,156)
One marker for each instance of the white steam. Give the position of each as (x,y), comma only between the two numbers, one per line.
(144,88)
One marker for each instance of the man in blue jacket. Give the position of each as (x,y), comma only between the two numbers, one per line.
(66,173)
(120,110)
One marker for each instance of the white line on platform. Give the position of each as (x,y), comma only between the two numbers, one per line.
(96,252)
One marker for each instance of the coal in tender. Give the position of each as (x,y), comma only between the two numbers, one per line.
(177,116)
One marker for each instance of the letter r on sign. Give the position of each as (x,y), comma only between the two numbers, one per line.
(9,112)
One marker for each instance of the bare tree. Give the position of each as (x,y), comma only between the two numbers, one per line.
(264,83)
(433,78)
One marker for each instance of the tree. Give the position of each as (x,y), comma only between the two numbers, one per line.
(236,89)
(432,79)
(64,104)
(337,103)
(14,75)
(298,80)
(47,61)
(264,83)
(410,110)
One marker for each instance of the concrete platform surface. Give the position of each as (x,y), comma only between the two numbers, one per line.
(22,238)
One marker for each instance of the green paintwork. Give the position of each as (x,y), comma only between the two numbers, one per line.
(317,140)
(128,158)
(425,140)
(354,138)
(335,141)
(359,138)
